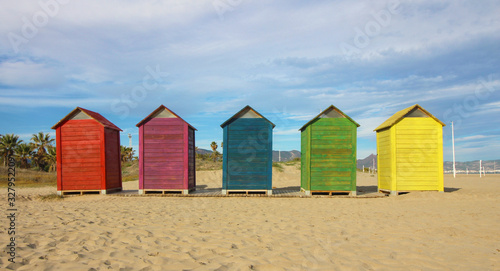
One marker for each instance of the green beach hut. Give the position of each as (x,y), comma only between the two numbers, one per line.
(328,153)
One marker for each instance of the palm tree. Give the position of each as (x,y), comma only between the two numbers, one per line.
(214,146)
(126,153)
(51,158)
(131,153)
(41,142)
(24,151)
(8,144)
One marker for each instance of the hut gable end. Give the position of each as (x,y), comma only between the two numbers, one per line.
(246,113)
(82,113)
(331,112)
(79,115)
(415,111)
(250,114)
(162,112)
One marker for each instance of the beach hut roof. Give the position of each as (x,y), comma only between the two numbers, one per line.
(246,112)
(330,112)
(162,111)
(82,113)
(412,111)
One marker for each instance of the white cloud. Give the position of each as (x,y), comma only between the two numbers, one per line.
(286,132)
(52,102)
(472,138)
(367,125)
(307,117)
(28,74)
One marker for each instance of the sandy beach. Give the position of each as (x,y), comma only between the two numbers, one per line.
(455,230)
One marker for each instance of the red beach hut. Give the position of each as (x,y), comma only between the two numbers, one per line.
(88,153)
(166,153)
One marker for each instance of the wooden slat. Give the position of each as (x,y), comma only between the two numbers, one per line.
(163,136)
(161,178)
(173,173)
(162,141)
(59,159)
(162,130)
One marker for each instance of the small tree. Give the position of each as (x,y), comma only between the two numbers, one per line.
(214,146)
(126,153)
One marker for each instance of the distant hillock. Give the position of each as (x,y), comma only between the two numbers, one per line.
(472,166)
(285,155)
(367,162)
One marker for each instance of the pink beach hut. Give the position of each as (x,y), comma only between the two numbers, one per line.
(166,153)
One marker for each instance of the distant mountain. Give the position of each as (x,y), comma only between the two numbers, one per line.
(368,162)
(285,155)
(472,166)
(490,166)
(203,151)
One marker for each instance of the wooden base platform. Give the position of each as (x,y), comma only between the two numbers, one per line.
(247,192)
(397,193)
(82,192)
(285,192)
(165,191)
(327,192)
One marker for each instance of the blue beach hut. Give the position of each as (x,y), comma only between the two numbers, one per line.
(247,153)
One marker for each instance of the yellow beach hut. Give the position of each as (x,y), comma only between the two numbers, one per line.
(410,152)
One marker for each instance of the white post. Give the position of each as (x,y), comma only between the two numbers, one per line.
(279,155)
(130,140)
(363,168)
(467,170)
(453,144)
(480,166)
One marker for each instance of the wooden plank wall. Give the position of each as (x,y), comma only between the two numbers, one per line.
(192,159)
(163,153)
(419,154)
(384,159)
(333,155)
(113,159)
(141,157)
(248,155)
(305,161)
(80,154)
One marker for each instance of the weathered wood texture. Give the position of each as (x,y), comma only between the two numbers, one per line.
(166,148)
(113,161)
(247,154)
(410,155)
(192,159)
(328,147)
(88,155)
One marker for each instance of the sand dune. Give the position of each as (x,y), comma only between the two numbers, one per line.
(456,230)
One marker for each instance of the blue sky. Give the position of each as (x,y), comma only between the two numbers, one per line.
(289,60)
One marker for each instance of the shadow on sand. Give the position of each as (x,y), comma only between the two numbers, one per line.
(451,189)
